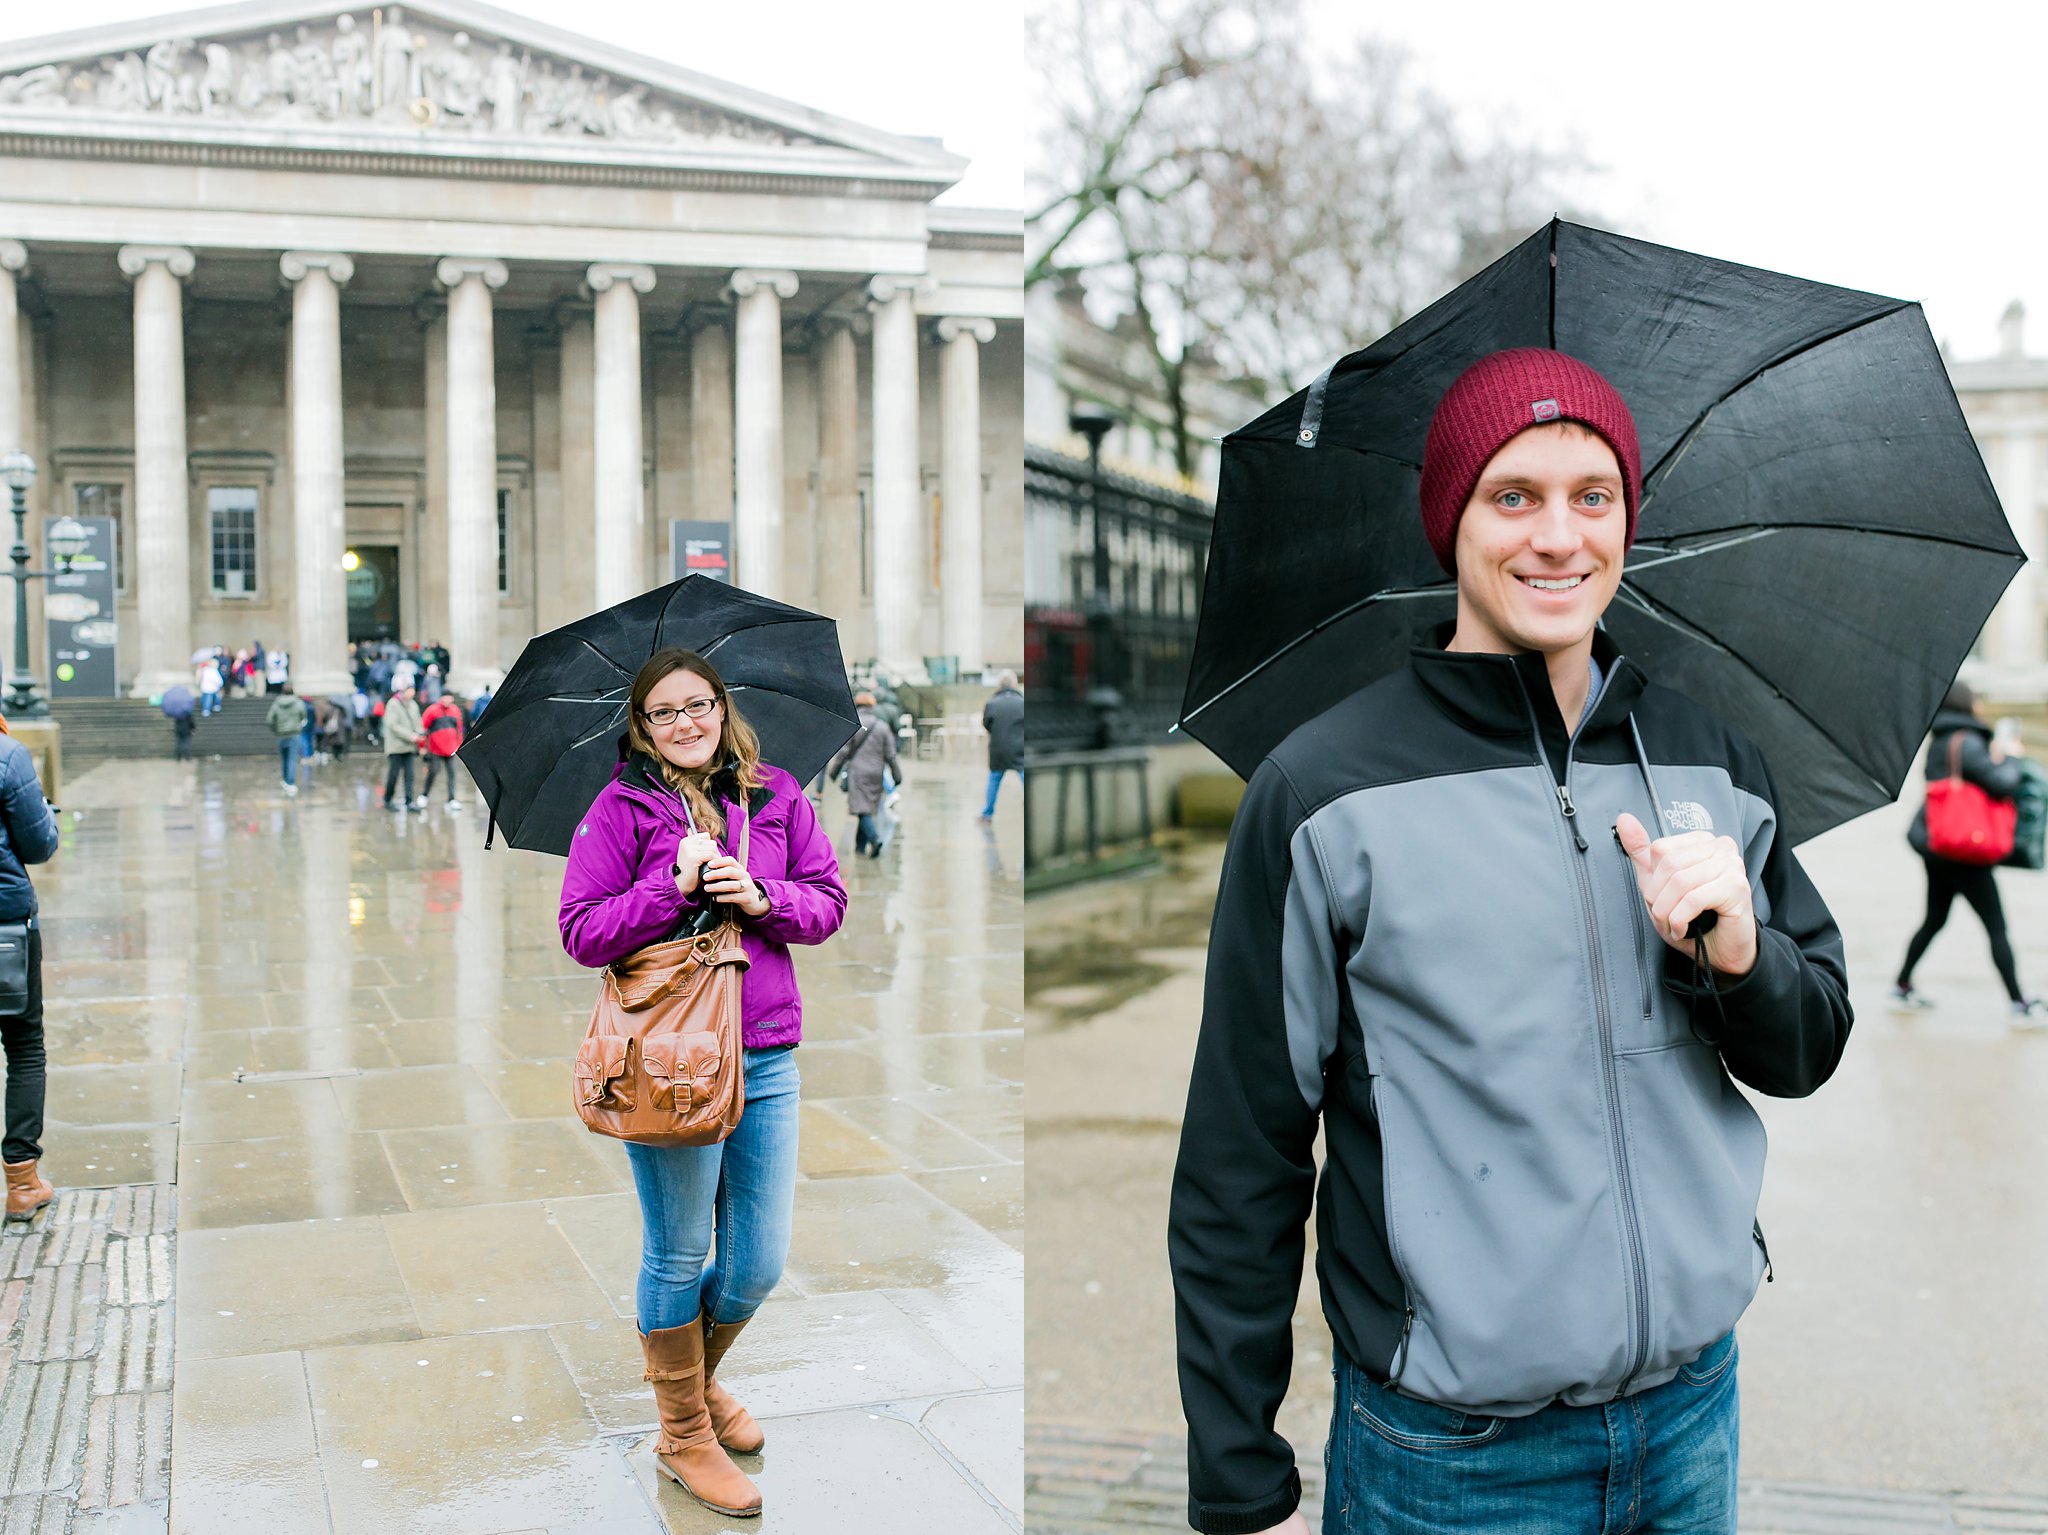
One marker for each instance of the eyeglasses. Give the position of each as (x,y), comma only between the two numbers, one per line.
(696,708)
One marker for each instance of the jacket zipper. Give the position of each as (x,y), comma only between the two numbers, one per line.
(1624,1178)
(1645,956)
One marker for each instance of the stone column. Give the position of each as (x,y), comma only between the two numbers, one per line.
(620,534)
(14,433)
(577,593)
(163,505)
(472,473)
(757,429)
(13,429)
(320,641)
(839,552)
(711,420)
(960,487)
(897,600)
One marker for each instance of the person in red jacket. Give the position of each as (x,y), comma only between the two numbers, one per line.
(440,736)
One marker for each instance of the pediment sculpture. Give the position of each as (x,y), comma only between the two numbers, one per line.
(385,70)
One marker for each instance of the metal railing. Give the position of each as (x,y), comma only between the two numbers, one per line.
(1114,563)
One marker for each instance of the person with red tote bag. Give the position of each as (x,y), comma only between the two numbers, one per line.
(1965,827)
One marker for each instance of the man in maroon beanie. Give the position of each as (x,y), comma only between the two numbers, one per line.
(1455,934)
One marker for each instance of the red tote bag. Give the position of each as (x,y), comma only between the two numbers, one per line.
(1964,824)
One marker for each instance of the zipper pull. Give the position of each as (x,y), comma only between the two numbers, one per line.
(1571,815)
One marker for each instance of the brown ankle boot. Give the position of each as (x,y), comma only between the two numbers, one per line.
(687,1449)
(736,1427)
(26,1193)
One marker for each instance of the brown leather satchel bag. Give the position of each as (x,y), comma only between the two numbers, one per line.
(660,1063)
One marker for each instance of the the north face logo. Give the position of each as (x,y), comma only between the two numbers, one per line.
(1544,410)
(1687,815)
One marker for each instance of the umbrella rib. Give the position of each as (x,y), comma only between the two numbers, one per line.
(1724,538)
(1671,619)
(1677,451)
(1391,594)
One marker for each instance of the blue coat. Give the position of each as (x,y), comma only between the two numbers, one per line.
(28,831)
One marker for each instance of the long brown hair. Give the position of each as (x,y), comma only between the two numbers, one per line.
(739,749)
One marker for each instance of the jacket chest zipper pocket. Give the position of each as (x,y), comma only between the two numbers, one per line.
(1639,924)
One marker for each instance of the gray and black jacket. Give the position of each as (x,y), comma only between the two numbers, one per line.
(1540,1182)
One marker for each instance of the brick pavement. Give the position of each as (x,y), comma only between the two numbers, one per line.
(1081,1480)
(85,1363)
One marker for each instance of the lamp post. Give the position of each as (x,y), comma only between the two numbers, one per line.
(67,540)
(1094,422)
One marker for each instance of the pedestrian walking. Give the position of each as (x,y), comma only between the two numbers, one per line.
(1003,718)
(1462,931)
(277,671)
(286,718)
(28,834)
(400,726)
(440,739)
(652,860)
(1963,745)
(861,766)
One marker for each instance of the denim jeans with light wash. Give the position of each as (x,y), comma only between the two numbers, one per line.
(1660,1461)
(288,758)
(995,782)
(742,1191)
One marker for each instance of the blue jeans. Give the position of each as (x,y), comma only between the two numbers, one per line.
(208,703)
(1662,1460)
(995,782)
(866,834)
(742,1190)
(288,758)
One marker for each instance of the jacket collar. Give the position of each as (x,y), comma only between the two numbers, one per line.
(1946,720)
(641,774)
(1504,695)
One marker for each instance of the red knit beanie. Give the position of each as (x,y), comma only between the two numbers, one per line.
(1499,396)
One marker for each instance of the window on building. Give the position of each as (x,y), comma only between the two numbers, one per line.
(504,516)
(231,515)
(107,500)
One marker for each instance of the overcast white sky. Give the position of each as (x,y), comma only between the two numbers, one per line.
(951,69)
(1878,146)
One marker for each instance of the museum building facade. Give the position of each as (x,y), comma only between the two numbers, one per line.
(438,323)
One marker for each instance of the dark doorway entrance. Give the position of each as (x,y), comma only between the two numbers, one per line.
(372,591)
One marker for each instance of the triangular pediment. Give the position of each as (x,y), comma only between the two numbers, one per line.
(449,76)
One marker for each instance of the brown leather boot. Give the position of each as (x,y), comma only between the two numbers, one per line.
(26,1193)
(736,1427)
(687,1448)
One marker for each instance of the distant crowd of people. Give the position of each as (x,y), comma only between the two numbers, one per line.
(400,704)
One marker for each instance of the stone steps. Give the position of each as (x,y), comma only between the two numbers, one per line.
(98,728)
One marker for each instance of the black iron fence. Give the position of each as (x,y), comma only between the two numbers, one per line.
(1133,553)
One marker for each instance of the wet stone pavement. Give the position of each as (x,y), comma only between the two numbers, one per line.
(336,1040)
(1891,1374)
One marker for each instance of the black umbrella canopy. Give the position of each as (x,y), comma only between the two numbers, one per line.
(1818,544)
(551,737)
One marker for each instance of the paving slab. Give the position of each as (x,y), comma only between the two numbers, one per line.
(345,1034)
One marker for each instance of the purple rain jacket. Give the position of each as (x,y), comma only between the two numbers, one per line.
(619,894)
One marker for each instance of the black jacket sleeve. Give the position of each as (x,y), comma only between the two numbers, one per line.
(1244,1181)
(2000,780)
(1782,1027)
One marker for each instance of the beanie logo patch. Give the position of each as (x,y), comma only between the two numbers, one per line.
(1544,410)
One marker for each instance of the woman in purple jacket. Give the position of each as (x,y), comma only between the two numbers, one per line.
(651,860)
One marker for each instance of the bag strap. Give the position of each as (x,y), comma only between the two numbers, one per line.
(1955,756)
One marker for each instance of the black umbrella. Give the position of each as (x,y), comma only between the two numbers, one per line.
(552,735)
(1817,546)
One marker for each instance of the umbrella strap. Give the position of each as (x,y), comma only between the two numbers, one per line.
(490,831)
(1312,410)
(1702,959)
